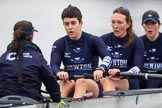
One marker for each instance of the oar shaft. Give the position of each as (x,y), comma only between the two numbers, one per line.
(151,71)
(141,75)
(89,76)
(124,74)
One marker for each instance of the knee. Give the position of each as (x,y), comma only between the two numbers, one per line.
(80,82)
(106,81)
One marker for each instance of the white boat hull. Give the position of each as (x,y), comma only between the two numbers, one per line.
(136,101)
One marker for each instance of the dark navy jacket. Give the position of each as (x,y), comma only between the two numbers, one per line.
(79,56)
(35,71)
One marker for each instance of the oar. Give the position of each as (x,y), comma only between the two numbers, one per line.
(124,74)
(140,75)
(74,77)
(156,71)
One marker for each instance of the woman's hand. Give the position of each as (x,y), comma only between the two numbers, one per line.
(113,72)
(63,75)
(97,74)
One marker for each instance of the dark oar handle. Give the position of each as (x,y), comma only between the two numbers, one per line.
(152,71)
(140,75)
(146,74)
(88,76)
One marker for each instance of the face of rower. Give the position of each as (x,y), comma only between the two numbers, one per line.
(73,27)
(151,29)
(119,25)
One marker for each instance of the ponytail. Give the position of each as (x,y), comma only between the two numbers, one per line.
(18,40)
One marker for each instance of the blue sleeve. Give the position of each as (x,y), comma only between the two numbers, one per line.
(101,50)
(49,79)
(56,55)
(138,52)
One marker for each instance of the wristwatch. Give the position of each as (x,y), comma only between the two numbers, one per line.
(101,68)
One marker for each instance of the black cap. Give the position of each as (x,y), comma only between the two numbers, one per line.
(25,26)
(151,15)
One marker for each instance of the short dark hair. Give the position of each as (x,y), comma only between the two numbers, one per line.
(72,12)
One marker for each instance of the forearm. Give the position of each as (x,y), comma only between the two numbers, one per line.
(55,69)
(106,62)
